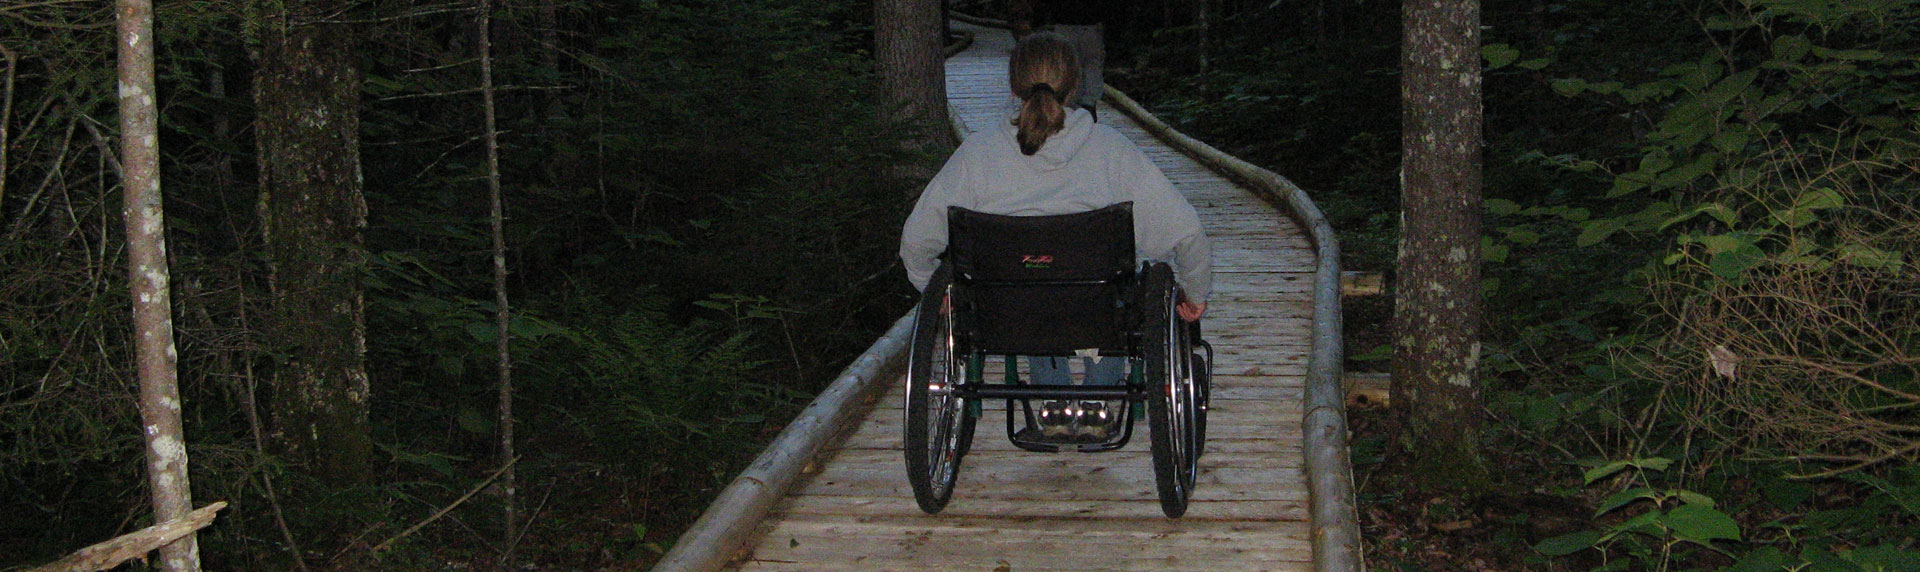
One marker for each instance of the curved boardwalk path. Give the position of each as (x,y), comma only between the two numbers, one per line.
(1020,511)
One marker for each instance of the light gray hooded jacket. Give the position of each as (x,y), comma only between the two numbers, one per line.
(1085,166)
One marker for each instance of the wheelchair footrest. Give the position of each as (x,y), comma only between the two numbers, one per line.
(1030,436)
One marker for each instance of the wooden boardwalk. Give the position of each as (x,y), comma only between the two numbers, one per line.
(1021,511)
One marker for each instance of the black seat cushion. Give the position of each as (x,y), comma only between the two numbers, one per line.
(1043,285)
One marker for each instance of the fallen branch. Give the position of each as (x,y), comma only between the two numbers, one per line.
(1368,389)
(112,553)
(482,485)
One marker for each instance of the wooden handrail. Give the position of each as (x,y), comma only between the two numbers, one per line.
(727,524)
(723,529)
(1336,527)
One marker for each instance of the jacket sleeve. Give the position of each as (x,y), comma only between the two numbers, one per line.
(924,237)
(1166,227)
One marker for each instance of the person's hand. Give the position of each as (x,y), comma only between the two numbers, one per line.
(1190,311)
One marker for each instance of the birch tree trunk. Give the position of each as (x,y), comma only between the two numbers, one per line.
(154,351)
(307,127)
(1437,298)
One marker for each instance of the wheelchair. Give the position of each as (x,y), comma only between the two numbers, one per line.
(1058,285)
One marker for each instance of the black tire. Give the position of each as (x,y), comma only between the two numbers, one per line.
(939,428)
(1200,373)
(1171,408)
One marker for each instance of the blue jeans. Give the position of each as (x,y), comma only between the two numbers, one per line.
(1054,370)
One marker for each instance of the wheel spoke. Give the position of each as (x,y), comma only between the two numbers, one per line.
(936,428)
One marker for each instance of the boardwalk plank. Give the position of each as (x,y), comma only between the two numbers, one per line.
(1022,511)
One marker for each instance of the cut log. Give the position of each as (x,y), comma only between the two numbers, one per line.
(1362,283)
(1367,389)
(112,553)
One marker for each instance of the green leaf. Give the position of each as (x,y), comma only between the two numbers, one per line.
(1883,558)
(1568,543)
(1791,47)
(1501,206)
(1568,87)
(482,331)
(1650,523)
(1653,463)
(1701,524)
(526,328)
(1521,235)
(1730,264)
(1849,55)
(1869,257)
(1906,496)
(1594,231)
(473,421)
(1491,252)
(1575,214)
(1731,87)
(1687,173)
(1641,93)
(1541,413)
(1718,211)
(1535,64)
(1655,162)
(1802,211)
(1723,22)
(1731,241)
(1765,559)
(1651,165)
(1795,218)
(1499,55)
(1603,471)
(1626,184)
(1622,498)
(1691,497)
(1730,140)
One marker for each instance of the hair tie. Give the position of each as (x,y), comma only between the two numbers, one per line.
(1043,87)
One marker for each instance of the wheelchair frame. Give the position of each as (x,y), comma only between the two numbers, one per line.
(946,385)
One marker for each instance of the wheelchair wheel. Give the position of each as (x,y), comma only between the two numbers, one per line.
(1173,407)
(1197,370)
(939,429)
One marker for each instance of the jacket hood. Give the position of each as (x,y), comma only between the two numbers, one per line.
(1062,146)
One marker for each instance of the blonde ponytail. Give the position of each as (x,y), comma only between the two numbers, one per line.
(1044,73)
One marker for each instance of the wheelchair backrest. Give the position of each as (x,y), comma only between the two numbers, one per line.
(1043,285)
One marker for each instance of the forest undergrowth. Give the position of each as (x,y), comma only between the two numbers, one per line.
(1700,241)
(1699,247)
(700,236)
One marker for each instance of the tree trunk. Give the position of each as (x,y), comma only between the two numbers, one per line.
(154,353)
(502,312)
(1437,298)
(307,95)
(907,41)
(1203,24)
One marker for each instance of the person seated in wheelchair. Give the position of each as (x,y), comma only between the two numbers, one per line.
(1053,159)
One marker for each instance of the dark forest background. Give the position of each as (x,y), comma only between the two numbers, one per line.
(1702,348)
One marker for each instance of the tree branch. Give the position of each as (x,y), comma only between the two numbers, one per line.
(112,553)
